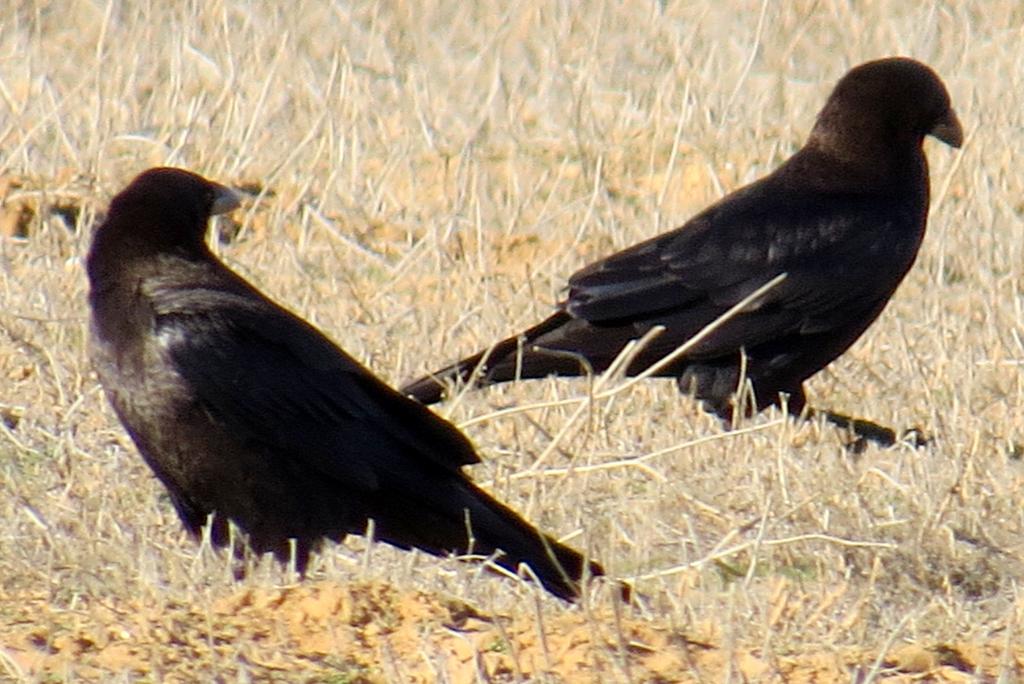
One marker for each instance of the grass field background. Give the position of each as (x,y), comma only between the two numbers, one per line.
(422,178)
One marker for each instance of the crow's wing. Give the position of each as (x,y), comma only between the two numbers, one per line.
(842,254)
(271,378)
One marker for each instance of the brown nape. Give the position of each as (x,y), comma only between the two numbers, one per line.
(843,219)
(247,413)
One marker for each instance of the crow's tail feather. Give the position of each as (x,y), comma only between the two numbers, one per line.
(507,360)
(467,520)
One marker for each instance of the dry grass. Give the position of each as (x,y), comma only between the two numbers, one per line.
(425,176)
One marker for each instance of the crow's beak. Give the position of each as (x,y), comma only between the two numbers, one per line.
(224,200)
(949,130)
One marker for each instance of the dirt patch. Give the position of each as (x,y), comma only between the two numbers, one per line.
(370,632)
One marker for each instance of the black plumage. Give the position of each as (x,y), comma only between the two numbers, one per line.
(842,218)
(248,414)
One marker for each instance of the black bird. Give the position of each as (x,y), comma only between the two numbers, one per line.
(842,218)
(248,414)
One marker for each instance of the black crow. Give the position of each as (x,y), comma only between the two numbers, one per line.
(843,219)
(248,414)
